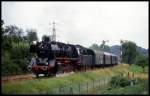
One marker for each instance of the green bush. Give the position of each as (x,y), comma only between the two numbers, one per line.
(119,81)
(10,68)
(15,60)
(15,49)
(135,68)
(141,87)
(141,60)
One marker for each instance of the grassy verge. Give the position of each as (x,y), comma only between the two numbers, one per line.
(136,69)
(42,85)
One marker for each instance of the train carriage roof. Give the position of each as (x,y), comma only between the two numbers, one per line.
(102,52)
(107,53)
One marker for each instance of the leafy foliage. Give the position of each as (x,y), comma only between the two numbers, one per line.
(104,48)
(129,52)
(135,68)
(101,47)
(14,49)
(32,35)
(119,81)
(140,87)
(141,60)
(94,47)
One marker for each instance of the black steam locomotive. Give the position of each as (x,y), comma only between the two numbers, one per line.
(50,58)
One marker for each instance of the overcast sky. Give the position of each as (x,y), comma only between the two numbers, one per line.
(82,23)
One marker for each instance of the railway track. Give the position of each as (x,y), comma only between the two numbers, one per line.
(14,78)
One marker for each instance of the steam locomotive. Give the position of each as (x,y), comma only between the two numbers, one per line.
(50,58)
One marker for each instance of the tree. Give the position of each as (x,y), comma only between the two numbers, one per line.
(129,52)
(19,35)
(2,22)
(94,47)
(141,60)
(104,48)
(15,49)
(2,29)
(32,35)
(11,33)
(11,30)
(45,37)
(6,41)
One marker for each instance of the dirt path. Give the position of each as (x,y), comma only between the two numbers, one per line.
(13,78)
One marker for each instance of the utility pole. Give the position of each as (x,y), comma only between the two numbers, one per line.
(54,32)
(103,43)
(53,36)
(121,42)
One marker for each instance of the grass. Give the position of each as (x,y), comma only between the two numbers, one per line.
(136,69)
(39,85)
(141,88)
(146,69)
(43,85)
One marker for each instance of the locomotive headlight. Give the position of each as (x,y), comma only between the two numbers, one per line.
(34,42)
(29,67)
